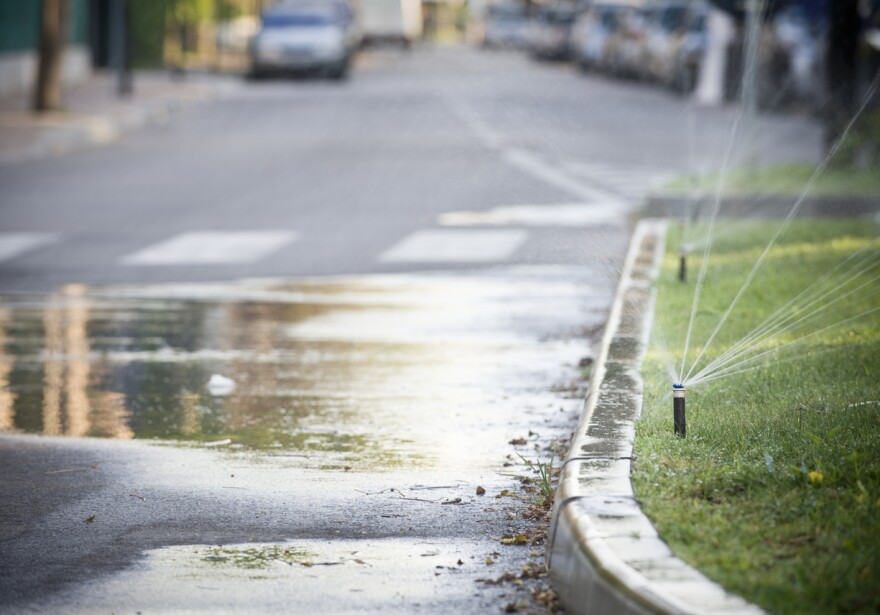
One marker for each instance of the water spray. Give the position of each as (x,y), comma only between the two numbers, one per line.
(682,265)
(678,415)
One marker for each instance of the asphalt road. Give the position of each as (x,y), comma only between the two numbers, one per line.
(331,176)
(437,241)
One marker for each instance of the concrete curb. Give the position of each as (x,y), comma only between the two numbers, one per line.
(604,555)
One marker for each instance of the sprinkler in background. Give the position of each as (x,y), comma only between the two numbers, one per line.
(678,410)
(682,264)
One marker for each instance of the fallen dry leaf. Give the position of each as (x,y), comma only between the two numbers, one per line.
(90,519)
(518,539)
(519,441)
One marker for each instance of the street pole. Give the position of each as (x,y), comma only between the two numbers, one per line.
(754,11)
(754,16)
(53,26)
(120,48)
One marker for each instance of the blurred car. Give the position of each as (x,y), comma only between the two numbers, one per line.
(591,32)
(305,36)
(625,46)
(550,32)
(664,29)
(506,25)
(690,49)
(799,42)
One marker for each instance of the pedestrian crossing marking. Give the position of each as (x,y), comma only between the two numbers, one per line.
(456,246)
(211,248)
(557,214)
(13,245)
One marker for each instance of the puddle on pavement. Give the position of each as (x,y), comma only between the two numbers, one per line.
(391,575)
(351,373)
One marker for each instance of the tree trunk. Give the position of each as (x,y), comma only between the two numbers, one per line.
(843,41)
(53,34)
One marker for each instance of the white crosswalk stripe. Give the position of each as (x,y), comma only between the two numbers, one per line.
(456,246)
(16,244)
(569,215)
(631,181)
(211,248)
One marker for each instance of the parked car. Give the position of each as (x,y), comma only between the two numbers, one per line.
(550,32)
(506,25)
(591,33)
(689,49)
(665,26)
(625,46)
(305,36)
(800,42)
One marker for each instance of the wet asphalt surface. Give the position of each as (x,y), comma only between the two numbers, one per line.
(305,430)
(364,415)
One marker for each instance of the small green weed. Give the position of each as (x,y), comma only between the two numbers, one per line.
(544,471)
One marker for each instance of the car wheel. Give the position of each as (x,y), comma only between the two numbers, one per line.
(339,71)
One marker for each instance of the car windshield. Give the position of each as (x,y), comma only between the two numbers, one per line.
(503,12)
(673,18)
(609,16)
(293,20)
(559,17)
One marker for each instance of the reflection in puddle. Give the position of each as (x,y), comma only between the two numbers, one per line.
(333,373)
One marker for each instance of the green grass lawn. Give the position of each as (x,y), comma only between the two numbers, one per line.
(787,179)
(846,174)
(775,491)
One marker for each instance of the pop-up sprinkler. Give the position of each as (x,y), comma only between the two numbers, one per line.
(682,265)
(678,415)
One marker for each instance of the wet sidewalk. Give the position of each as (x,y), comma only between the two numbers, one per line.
(94,114)
(341,445)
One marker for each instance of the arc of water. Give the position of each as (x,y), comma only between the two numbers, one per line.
(786,321)
(783,226)
(810,290)
(804,320)
(727,371)
(666,354)
(790,326)
(704,264)
(751,368)
(783,313)
(730,229)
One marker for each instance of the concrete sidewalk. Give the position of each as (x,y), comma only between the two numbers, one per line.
(94,114)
